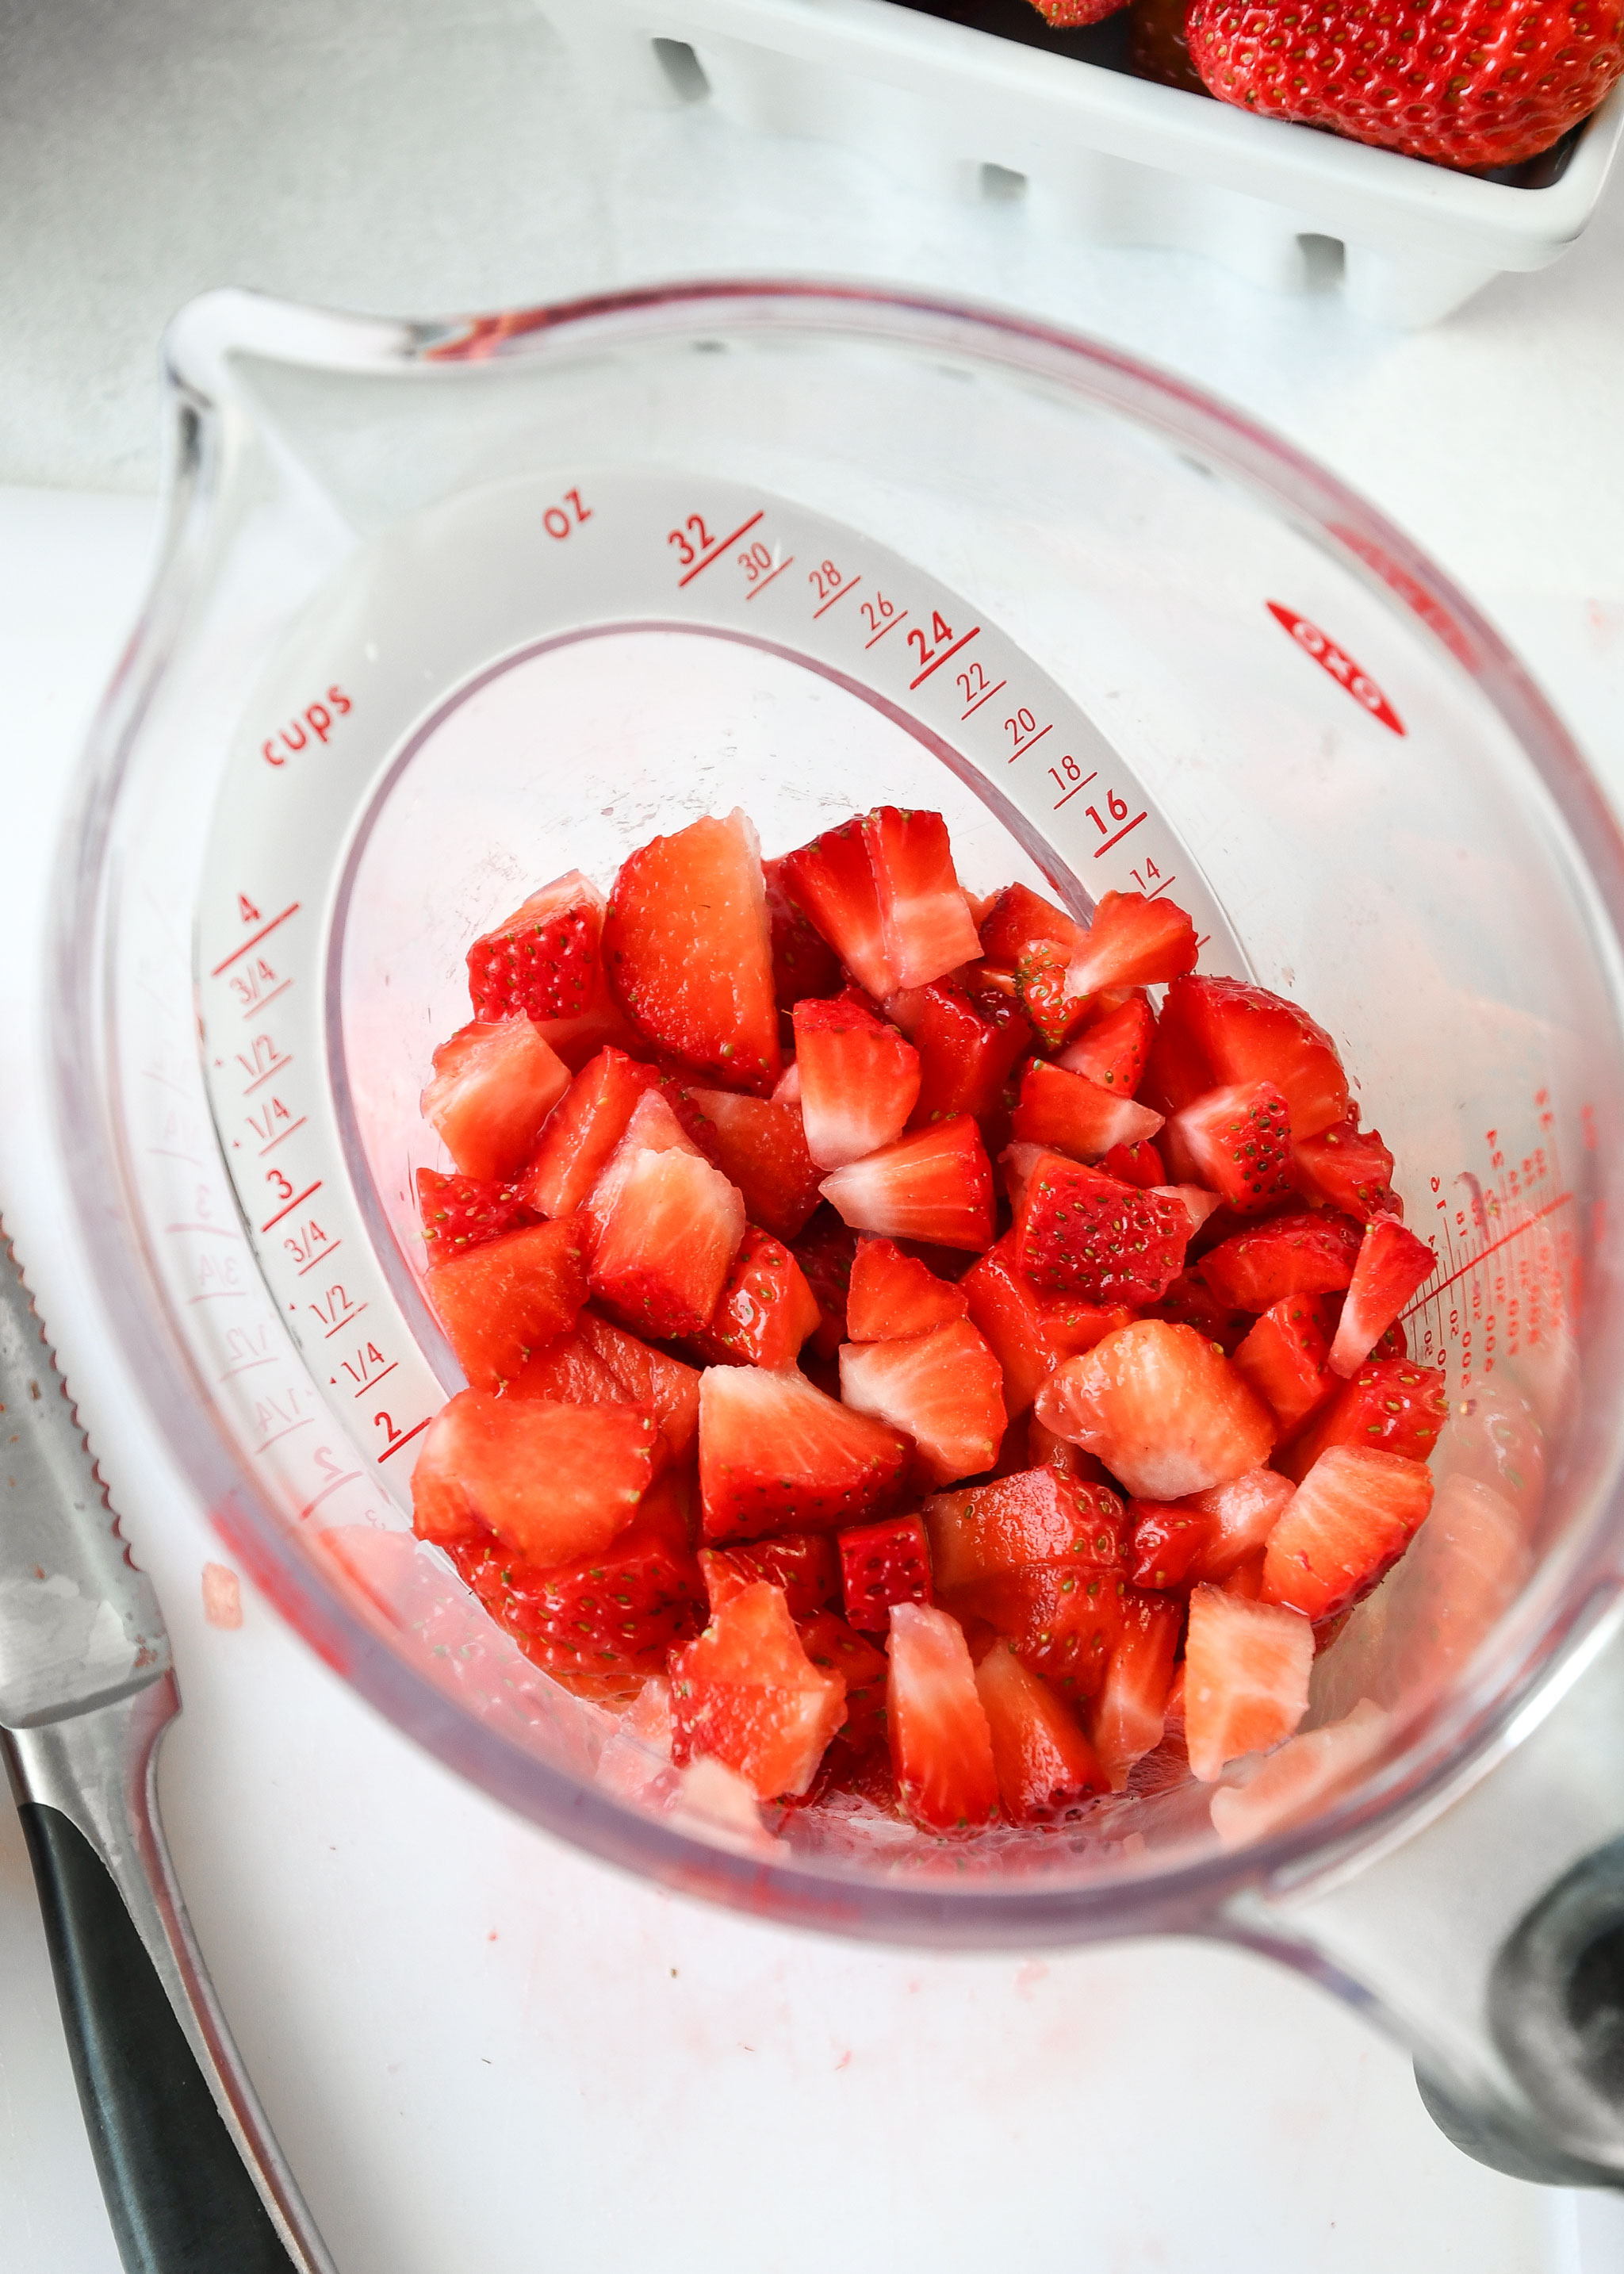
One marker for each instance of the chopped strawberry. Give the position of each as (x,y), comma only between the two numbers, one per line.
(1044,1450)
(1353,1515)
(803,963)
(511,1296)
(653,1128)
(1081,1233)
(582,1132)
(1392,1264)
(1245,1581)
(745,1693)
(1029,937)
(1164,1411)
(882,1564)
(1168,1541)
(1191,1302)
(569,1372)
(825,1252)
(663,1253)
(1141,1165)
(941,1747)
(831,881)
(1242,1513)
(1215,1032)
(462,1212)
(1391,1404)
(1283,1358)
(892,1294)
(602,1364)
(804,1564)
(777,1455)
(836,1648)
(1044,1764)
(1237,1141)
(543,960)
(608,1618)
(924,918)
(1246,1678)
(1301,1776)
(945,1389)
(1112,1048)
(965,1054)
(936,1187)
(859,1082)
(1030,1333)
(766,1310)
(1062,1622)
(1130,1712)
(689,952)
(495,1082)
(553,1482)
(1349,1168)
(604,1026)
(1035,1516)
(1309,1254)
(761,1147)
(1132,942)
(1068,1113)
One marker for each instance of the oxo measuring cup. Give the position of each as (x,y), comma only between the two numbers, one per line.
(444,610)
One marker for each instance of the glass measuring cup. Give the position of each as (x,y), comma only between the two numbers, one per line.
(444,610)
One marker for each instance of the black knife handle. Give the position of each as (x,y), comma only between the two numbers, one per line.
(179,2193)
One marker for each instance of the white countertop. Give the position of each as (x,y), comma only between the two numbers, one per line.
(480,2050)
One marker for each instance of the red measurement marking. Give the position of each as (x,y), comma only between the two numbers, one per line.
(288,1132)
(221,1230)
(889,625)
(248,1365)
(264,932)
(715,553)
(991,691)
(1071,793)
(297,1202)
(275,1067)
(833,597)
(1341,666)
(281,1434)
(219,1294)
(1161,887)
(320,1256)
(390,1450)
(765,581)
(344,1322)
(1516,1232)
(310,1505)
(252,1010)
(1021,749)
(377,1378)
(947,656)
(1126,830)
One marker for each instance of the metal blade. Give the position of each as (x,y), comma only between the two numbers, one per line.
(79,1625)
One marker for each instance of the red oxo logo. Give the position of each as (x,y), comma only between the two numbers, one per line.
(1341,667)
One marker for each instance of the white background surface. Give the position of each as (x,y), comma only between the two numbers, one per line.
(480,2050)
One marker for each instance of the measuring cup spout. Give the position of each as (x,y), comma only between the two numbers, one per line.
(1490,1940)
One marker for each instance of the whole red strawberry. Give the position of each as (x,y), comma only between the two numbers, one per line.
(1468,83)
(1066,15)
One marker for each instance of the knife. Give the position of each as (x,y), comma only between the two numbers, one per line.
(194,2181)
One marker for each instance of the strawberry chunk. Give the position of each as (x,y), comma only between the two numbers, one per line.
(1044,1764)
(825,1252)
(1217,1032)
(663,1253)
(1141,1165)
(777,1455)
(766,1310)
(941,1747)
(1167,1541)
(600,1364)
(936,1187)
(1029,937)
(1302,1776)
(1112,1048)
(746,1693)
(1349,1168)
(542,960)
(892,1294)
(1283,1358)
(1068,1113)
(1129,1715)
(459,1212)
(606,1623)
(859,1080)
(1392,1264)
(1030,1333)
(689,954)
(1309,1254)
(1242,1515)
(1081,1233)
(882,1564)
(1237,1142)
(925,920)
(1132,942)
(653,1128)
(1246,1667)
(1164,1411)
(1353,1515)
(1063,1623)
(803,963)
(1391,1403)
(945,1389)
(836,1648)
(761,1148)
(553,1482)
(831,881)
(804,1564)
(511,1296)
(582,1132)
(495,1082)
(965,1054)
(1035,1516)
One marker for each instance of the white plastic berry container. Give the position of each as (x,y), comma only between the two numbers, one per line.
(1097,153)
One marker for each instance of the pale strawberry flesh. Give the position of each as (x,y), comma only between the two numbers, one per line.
(924,918)
(777,1455)
(935,1188)
(944,1388)
(941,1746)
(1391,1266)
(859,1082)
